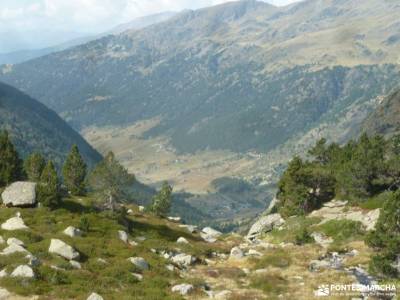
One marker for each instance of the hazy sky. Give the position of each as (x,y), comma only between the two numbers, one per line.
(88,15)
(37,24)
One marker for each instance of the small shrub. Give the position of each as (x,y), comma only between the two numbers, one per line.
(375,202)
(269,283)
(304,237)
(342,230)
(84,224)
(385,239)
(274,259)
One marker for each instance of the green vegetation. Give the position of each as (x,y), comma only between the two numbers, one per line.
(304,237)
(49,187)
(231,185)
(74,172)
(11,166)
(112,278)
(297,229)
(281,259)
(34,165)
(110,181)
(385,239)
(304,187)
(103,256)
(367,172)
(270,284)
(356,171)
(34,128)
(342,231)
(161,203)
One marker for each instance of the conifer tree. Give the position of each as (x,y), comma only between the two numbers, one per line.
(11,168)
(385,239)
(74,172)
(49,186)
(162,201)
(34,166)
(111,181)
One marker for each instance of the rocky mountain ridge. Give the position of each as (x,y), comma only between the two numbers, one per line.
(243,69)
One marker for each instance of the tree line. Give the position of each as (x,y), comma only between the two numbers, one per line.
(109,181)
(360,171)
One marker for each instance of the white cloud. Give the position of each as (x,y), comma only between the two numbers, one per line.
(85,16)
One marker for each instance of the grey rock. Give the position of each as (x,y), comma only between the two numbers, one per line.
(271,206)
(170,268)
(3,273)
(322,239)
(133,243)
(13,248)
(15,223)
(20,193)
(210,235)
(33,261)
(139,262)
(265,224)
(182,240)
(75,264)
(253,252)
(174,219)
(212,232)
(15,241)
(4,294)
(23,271)
(123,236)
(72,231)
(236,253)
(183,289)
(138,276)
(102,261)
(190,228)
(94,296)
(62,249)
(183,260)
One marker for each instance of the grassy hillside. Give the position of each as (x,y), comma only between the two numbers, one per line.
(35,128)
(112,277)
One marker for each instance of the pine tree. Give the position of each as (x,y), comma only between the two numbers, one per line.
(111,181)
(11,168)
(162,201)
(49,186)
(74,172)
(34,166)
(385,239)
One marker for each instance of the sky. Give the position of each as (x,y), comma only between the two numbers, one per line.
(59,20)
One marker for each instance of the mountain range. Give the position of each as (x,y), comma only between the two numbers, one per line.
(35,128)
(384,119)
(240,76)
(19,56)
